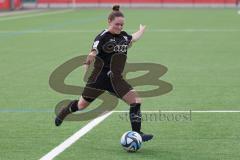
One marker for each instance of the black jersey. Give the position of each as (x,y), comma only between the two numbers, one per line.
(107,45)
(108,66)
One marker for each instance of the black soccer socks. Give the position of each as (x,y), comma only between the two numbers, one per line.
(71,107)
(135,116)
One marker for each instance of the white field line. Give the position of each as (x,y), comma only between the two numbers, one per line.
(153,111)
(68,142)
(187,111)
(195,30)
(35,15)
(130,30)
(20,12)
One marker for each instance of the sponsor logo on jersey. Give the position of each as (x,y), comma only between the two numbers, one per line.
(120,48)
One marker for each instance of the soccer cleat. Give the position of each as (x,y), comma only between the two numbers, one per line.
(63,113)
(146,137)
(58,121)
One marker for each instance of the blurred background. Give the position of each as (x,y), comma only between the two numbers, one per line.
(30,4)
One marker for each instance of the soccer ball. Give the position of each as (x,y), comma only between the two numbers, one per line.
(131,141)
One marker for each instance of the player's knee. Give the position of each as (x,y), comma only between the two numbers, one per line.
(134,100)
(138,100)
(84,102)
(79,104)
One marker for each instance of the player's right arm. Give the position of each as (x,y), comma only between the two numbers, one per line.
(90,59)
(94,51)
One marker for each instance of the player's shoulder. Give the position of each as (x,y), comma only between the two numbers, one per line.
(124,33)
(126,36)
(102,34)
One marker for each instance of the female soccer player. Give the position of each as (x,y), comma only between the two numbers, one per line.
(108,53)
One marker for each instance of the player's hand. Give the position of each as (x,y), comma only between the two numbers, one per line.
(142,28)
(137,35)
(90,58)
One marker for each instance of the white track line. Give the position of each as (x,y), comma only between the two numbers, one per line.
(130,30)
(35,15)
(68,142)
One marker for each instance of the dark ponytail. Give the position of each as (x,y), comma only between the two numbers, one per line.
(115,13)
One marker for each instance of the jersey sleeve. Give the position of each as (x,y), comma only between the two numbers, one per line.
(97,44)
(129,37)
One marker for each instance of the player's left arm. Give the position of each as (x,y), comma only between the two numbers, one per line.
(137,35)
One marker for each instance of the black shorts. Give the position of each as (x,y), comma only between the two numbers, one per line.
(105,81)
